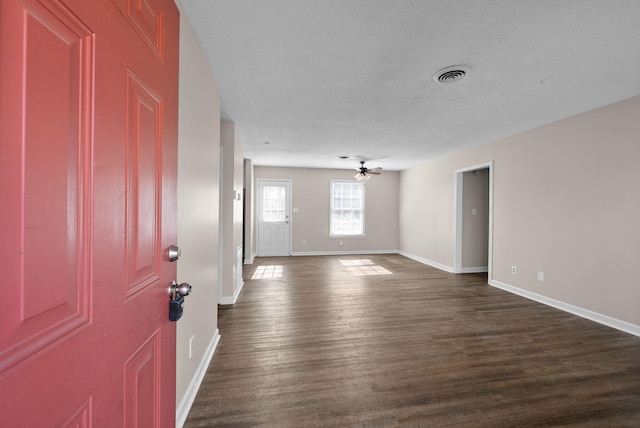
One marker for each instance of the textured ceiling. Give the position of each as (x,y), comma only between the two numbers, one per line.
(319,79)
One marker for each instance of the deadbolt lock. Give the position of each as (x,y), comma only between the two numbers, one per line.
(174,253)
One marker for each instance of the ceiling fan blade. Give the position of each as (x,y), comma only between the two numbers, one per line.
(374,172)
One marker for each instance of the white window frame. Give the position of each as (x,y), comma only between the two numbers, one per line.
(333,234)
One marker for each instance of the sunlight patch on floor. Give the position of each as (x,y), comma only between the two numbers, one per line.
(362,267)
(268,272)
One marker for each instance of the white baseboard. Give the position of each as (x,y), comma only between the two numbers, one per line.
(248,261)
(232,300)
(427,262)
(576,310)
(187,400)
(343,253)
(480,269)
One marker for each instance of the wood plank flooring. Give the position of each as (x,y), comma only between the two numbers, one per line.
(384,341)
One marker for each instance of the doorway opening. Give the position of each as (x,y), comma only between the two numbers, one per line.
(473,236)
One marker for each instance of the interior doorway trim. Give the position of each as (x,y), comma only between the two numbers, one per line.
(457,233)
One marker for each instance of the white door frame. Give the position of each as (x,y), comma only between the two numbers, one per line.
(289,185)
(457,201)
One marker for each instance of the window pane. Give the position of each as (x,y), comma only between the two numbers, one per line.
(347,210)
(273,204)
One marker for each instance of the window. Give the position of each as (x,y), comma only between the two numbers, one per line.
(273,204)
(347,208)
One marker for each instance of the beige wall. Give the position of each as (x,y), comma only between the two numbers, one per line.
(310,194)
(198,165)
(566,203)
(232,216)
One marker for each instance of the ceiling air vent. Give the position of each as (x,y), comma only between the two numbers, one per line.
(451,74)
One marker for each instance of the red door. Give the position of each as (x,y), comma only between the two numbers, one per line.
(88,148)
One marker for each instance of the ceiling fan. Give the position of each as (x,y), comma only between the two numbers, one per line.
(365,173)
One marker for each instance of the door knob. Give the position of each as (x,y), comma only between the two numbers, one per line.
(183,289)
(176,299)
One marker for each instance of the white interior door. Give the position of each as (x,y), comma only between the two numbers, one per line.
(274,213)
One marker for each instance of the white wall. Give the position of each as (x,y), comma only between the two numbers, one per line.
(310,194)
(198,166)
(566,203)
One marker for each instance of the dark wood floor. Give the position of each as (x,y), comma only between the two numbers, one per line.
(344,342)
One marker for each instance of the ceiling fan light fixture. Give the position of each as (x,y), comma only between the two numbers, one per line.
(361,177)
(364,173)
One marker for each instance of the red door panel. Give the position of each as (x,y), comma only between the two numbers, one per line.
(88,148)
(43,175)
(144,167)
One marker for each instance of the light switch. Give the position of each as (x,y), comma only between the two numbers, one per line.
(474,211)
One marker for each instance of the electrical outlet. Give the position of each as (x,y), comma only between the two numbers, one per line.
(514,270)
(474,211)
(420,247)
(191,345)
(304,242)
(540,276)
